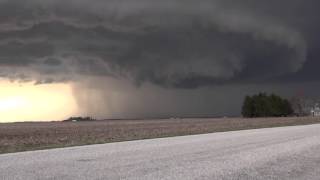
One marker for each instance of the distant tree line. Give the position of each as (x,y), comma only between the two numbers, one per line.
(79,119)
(264,105)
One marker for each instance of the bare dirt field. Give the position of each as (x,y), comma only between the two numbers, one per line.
(17,137)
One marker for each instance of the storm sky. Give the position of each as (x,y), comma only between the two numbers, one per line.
(150,58)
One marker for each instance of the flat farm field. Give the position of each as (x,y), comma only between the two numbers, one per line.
(17,137)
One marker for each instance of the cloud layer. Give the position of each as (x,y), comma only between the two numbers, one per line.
(170,43)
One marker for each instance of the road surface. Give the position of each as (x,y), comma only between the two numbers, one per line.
(274,153)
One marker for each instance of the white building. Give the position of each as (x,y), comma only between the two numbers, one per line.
(315,111)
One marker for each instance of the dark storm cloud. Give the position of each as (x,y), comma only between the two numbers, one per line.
(182,44)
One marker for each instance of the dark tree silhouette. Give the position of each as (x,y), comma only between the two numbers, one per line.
(263,105)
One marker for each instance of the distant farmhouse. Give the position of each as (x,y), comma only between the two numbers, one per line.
(315,111)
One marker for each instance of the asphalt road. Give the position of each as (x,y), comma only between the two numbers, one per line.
(275,153)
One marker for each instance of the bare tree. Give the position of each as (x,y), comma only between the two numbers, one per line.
(299,105)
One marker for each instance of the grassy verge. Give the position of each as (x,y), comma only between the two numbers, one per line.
(19,137)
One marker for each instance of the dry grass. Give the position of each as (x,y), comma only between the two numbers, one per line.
(31,136)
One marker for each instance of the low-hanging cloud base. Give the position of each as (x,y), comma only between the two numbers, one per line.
(178,50)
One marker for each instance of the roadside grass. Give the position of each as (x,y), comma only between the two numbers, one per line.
(18,137)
